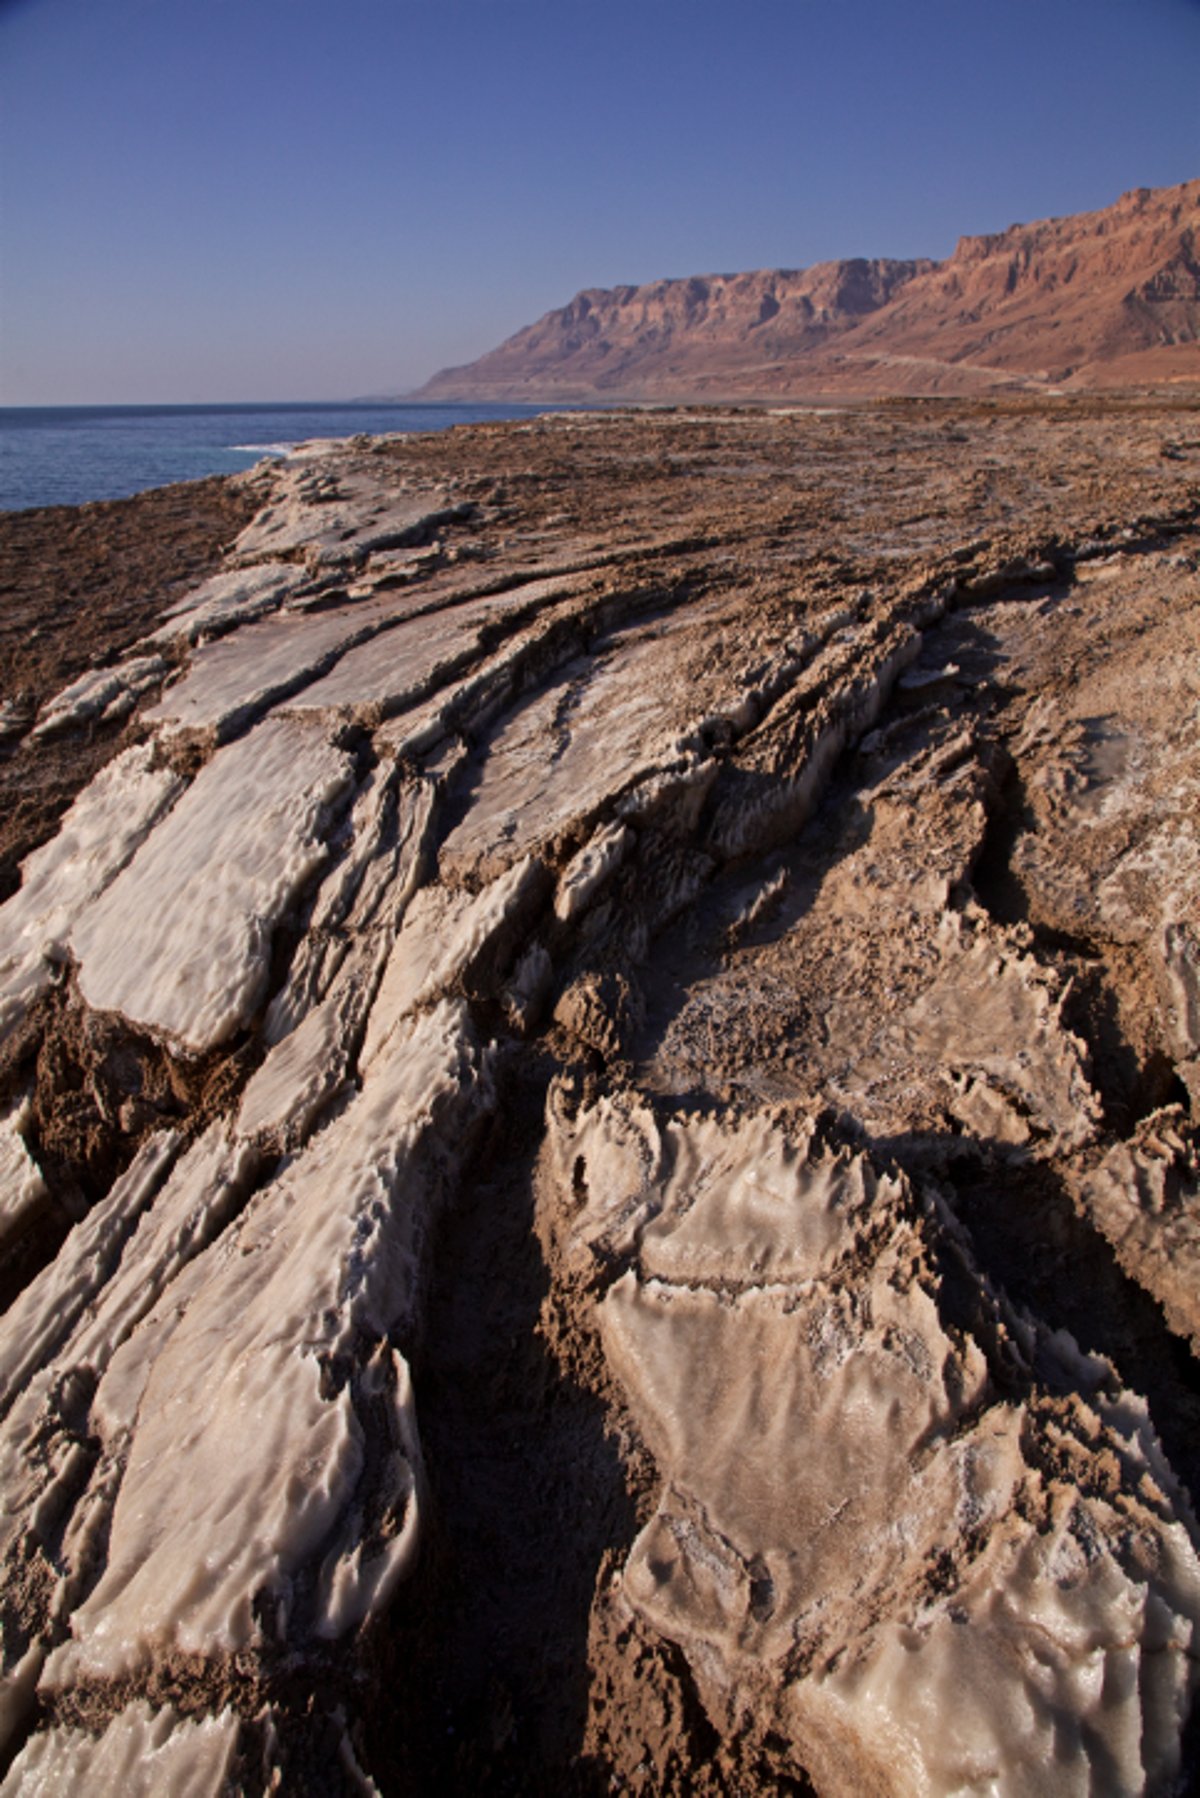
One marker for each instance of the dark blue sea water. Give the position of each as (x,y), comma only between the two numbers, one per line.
(63,455)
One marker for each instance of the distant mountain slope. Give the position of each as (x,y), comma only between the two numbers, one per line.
(1096,299)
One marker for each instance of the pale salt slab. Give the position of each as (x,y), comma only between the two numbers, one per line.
(107,694)
(406,662)
(181,943)
(236,597)
(40,1320)
(336,513)
(141,1754)
(306,1068)
(991,1017)
(96,838)
(231,682)
(445,935)
(22,1188)
(561,756)
(197,1200)
(248,1459)
(1145,1197)
(588,870)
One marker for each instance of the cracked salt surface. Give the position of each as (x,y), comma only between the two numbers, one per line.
(236,597)
(271,1476)
(22,1188)
(210,887)
(898,1534)
(231,682)
(818,1431)
(142,1753)
(97,837)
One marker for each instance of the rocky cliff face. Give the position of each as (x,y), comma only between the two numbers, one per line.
(599,1163)
(1099,299)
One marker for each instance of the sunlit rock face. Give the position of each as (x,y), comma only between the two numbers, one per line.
(598,1177)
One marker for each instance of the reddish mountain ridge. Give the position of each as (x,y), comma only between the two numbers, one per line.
(1096,299)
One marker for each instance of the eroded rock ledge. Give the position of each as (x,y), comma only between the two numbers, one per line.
(598,1127)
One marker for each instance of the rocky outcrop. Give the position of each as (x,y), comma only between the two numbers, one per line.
(1098,299)
(597,1133)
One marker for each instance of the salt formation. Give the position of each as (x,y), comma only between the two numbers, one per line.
(256,1354)
(22,1187)
(228,600)
(108,695)
(1145,1197)
(140,1753)
(831,1455)
(597,1154)
(338,517)
(98,836)
(212,886)
(233,681)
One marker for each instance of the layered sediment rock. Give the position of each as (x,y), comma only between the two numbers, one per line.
(597,1139)
(1097,299)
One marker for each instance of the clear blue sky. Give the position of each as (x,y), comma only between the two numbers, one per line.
(303,199)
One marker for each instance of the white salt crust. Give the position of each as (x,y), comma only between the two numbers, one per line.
(824,1443)
(989,1026)
(335,513)
(181,943)
(233,598)
(401,665)
(604,724)
(248,1460)
(96,838)
(22,1188)
(142,1754)
(231,682)
(105,695)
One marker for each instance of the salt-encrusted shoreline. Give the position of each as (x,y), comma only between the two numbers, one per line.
(597,1121)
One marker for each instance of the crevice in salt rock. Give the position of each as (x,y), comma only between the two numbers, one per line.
(1108,978)
(423,652)
(24,1199)
(522,1458)
(315,1021)
(766,796)
(1030,1240)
